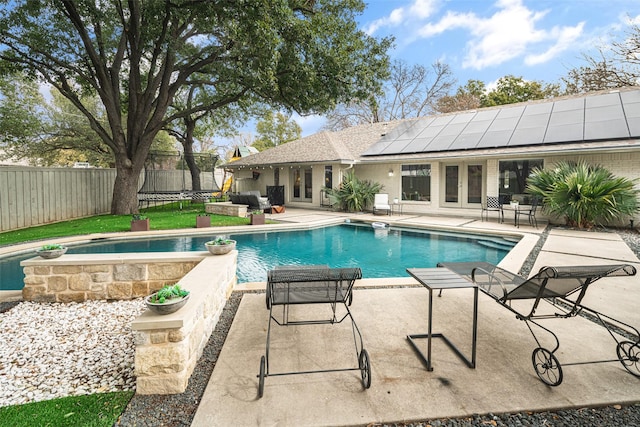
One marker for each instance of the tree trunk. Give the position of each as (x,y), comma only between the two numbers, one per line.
(125,192)
(188,154)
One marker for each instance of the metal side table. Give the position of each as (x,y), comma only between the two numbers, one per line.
(442,278)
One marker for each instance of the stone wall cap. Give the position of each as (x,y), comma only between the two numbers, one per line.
(113,258)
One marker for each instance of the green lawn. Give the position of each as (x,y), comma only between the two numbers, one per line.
(96,410)
(167,217)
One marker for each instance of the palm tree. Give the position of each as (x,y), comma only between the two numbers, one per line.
(583,194)
(353,194)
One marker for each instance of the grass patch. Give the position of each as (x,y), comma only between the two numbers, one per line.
(95,410)
(166,217)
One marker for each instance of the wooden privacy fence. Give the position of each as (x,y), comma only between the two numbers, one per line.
(32,196)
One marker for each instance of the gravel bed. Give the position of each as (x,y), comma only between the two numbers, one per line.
(57,350)
(179,410)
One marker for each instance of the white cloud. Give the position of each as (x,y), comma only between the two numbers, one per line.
(565,39)
(418,9)
(511,32)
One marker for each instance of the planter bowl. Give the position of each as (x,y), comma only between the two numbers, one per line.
(221,249)
(170,306)
(52,253)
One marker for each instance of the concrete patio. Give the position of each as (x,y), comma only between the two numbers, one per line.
(402,389)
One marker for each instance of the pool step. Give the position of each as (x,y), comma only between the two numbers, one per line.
(495,245)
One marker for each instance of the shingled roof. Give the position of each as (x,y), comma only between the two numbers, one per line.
(595,121)
(343,146)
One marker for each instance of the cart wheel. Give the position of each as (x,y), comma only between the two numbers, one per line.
(268,298)
(547,366)
(263,364)
(365,368)
(629,355)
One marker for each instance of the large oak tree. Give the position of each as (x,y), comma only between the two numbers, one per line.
(136,55)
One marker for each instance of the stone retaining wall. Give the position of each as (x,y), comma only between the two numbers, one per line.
(226,208)
(82,277)
(167,347)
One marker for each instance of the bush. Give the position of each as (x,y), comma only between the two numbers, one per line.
(353,194)
(584,195)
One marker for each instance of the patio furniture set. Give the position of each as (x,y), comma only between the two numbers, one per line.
(562,289)
(501,203)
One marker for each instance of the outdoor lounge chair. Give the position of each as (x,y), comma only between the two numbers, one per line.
(292,285)
(563,288)
(381,203)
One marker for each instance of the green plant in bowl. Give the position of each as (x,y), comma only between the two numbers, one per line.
(168,292)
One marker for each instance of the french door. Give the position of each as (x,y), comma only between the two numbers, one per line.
(462,184)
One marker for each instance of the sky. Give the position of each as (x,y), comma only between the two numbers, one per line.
(485,40)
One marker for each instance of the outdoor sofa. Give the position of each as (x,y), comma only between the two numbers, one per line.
(251,198)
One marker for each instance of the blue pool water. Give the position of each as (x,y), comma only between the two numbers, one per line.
(379,252)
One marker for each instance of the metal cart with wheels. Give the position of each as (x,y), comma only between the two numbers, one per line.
(292,285)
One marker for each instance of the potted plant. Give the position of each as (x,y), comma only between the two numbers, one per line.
(51,251)
(257,217)
(169,299)
(203,220)
(139,223)
(514,203)
(220,245)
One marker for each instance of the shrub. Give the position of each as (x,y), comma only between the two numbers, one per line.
(353,194)
(584,195)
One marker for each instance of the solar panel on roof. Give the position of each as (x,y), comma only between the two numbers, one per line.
(566,117)
(453,129)
(612,112)
(602,100)
(442,120)
(568,104)
(486,115)
(632,109)
(533,121)
(418,145)
(542,108)
(634,126)
(527,136)
(441,143)
(630,97)
(564,133)
(504,124)
(477,126)
(593,117)
(608,129)
(492,139)
(466,141)
(510,112)
(462,118)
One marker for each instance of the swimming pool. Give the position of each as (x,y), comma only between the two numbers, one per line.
(384,252)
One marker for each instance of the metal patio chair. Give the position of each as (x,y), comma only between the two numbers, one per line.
(492,204)
(529,213)
(563,288)
(293,285)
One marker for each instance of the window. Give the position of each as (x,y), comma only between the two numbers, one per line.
(514,174)
(328,176)
(296,183)
(416,182)
(308,188)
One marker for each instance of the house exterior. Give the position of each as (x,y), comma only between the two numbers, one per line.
(448,164)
